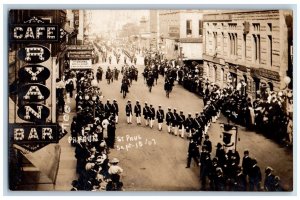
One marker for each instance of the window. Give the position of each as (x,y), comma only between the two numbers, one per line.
(215,41)
(270,49)
(233,43)
(244,46)
(256,49)
(270,27)
(256,27)
(189,27)
(200,27)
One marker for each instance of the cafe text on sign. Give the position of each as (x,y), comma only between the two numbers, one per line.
(37,31)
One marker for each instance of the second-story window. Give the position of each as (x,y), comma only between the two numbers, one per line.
(188,27)
(200,27)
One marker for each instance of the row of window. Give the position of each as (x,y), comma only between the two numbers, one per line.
(232,26)
(232,46)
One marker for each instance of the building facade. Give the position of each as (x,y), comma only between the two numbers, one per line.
(248,49)
(181,34)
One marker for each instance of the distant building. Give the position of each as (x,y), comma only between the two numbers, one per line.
(181,34)
(250,49)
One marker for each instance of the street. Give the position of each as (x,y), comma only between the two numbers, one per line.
(161,165)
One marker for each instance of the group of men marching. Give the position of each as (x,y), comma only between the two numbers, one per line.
(177,123)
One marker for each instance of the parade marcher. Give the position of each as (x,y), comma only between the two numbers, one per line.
(254,177)
(270,183)
(207,144)
(151,115)
(128,111)
(175,122)
(181,123)
(160,115)
(189,125)
(138,111)
(193,152)
(115,109)
(169,119)
(146,114)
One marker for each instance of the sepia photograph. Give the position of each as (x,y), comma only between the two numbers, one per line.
(150,100)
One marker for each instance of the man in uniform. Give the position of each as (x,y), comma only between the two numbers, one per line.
(146,114)
(197,127)
(128,110)
(115,109)
(181,124)
(160,115)
(151,115)
(138,111)
(175,122)
(169,119)
(207,144)
(189,125)
(193,152)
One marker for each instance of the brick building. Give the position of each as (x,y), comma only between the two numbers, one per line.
(248,49)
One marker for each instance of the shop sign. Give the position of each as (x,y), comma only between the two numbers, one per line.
(34,54)
(36,30)
(34,92)
(261,72)
(34,73)
(29,133)
(81,64)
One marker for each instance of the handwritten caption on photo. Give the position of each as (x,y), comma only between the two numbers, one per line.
(133,142)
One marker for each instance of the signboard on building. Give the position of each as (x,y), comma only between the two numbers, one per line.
(32,89)
(261,72)
(174,31)
(81,64)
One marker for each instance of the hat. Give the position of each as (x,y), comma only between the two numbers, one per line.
(246,152)
(181,111)
(175,109)
(137,101)
(169,108)
(145,102)
(128,101)
(115,100)
(114,160)
(219,145)
(190,114)
(268,170)
(159,106)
